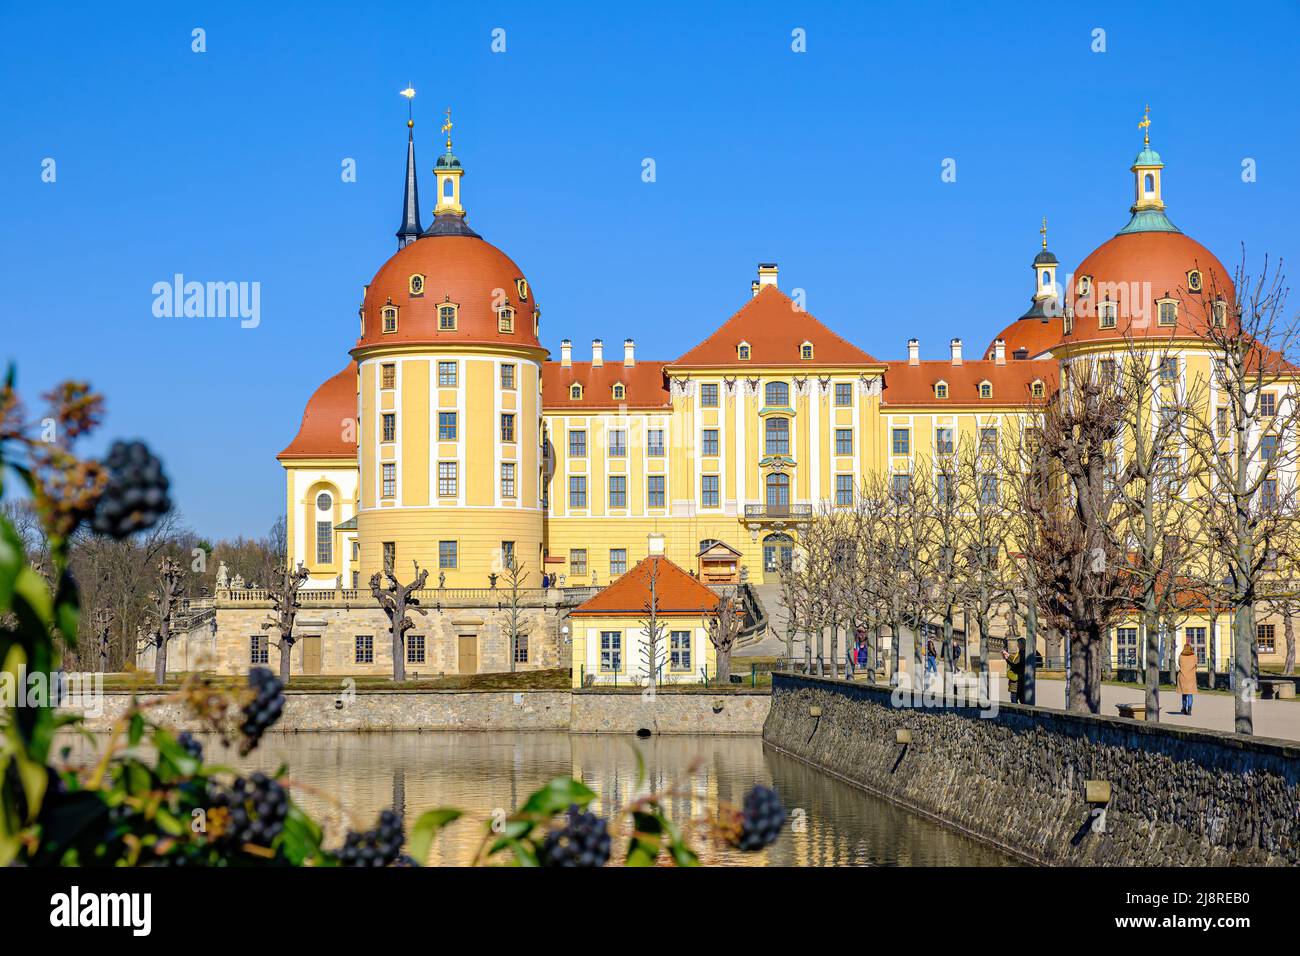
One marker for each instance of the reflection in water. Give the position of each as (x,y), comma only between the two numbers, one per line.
(486,773)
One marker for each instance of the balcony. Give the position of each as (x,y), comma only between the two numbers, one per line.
(799,511)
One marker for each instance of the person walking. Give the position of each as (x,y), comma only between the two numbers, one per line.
(1187,677)
(1015,669)
(931,661)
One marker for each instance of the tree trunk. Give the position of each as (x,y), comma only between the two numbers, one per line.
(1028,687)
(724,666)
(821,650)
(1288,633)
(1243,674)
(835,645)
(1151,665)
(286,655)
(1083,692)
(807,652)
(160,655)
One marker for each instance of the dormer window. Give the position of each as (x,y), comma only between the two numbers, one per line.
(1168,311)
(575,392)
(806,351)
(416,284)
(941,390)
(1106,315)
(742,351)
(390,318)
(986,389)
(620,392)
(521,286)
(1085,285)
(505,320)
(1036,389)
(1194,280)
(447,315)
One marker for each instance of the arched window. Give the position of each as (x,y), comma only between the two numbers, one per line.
(620,392)
(506,320)
(1047,277)
(447,317)
(390,319)
(777,435)
(778,552)
(776,394)
(575,392)
(742,352)
(448,188)
(778,493)
(1149,183)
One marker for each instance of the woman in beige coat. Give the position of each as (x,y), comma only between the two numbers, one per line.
(1187,677)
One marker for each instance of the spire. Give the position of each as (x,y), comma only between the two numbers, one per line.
(410,230)
(1148,207)
(1045,299)
(449,214)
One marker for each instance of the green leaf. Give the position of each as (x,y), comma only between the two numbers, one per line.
(525,854)
(174,761)
(301,837)
(640,765)
(556,797)
(135,731)
(426,828)
(647,839)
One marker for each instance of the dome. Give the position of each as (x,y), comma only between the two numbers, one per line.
(1045,258)
(1035,334)
(458,269)
(321,434)
(1134,270)
(1148,157)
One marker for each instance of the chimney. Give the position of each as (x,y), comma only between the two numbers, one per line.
(566,354)
(655,543)
(629,353)
(753,287)
(913,352)
(956,351)
(766,274)
(597,353)
(999,352)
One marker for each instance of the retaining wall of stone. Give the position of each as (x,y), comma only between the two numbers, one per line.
(1016,779)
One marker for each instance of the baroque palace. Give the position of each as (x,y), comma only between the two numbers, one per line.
(453,439)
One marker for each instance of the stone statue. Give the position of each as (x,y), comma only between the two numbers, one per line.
(237,583)
(492,580)
(223,577)
(744,574)
(442,579)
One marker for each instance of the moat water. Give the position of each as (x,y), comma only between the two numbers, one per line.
(351,777)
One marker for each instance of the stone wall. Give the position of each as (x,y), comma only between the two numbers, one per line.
(584,712)
(1016,779)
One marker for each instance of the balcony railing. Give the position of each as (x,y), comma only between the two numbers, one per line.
(763,512)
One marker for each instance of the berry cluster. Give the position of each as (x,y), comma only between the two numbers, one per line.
(761,819)
(136,496)
(254,811)
(264,710)
(191,745)
(582,841)
(381,846)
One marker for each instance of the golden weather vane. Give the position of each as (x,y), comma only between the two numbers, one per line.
(409,93)
(1044,232)
(1145,126)
(446,128)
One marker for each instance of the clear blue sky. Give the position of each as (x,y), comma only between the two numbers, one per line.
(225,166)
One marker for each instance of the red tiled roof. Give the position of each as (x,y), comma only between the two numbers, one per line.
(677,592)
(774,327)
(914,384)
(324,421)
(1035,335)
(644,383)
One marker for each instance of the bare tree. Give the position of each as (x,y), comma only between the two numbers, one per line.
(516,626)
(653,629)
(724,628)
(285,586)
(166,602)
(395,600)
(984,527)
(102,624)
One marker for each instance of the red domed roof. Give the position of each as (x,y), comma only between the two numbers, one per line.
(1134,270)
(460,269)
(324,423)
(1034,335)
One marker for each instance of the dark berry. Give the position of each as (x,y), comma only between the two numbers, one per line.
(191,745)
(381,846)
(265,708)
(136,495)
(761,819)
(582,841)
(256,810)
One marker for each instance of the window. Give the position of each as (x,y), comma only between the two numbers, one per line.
(365,649)
(389,472)
(507,426)
(324,542)
(654,442)
(988,489)
(1085,285)
(778,493)
(575,392)
(806,351)
(578,561)
(505,320)
(988,441)
(1126,646)
(415,648)
(618,491)
(986,390)
(446,479)
(1106,315)
(843,394)
(900,485)
(537,320)
(259,649)
(1194,280)
(446,426)
(1268,494)
(941,390)
(777,436)
(389,426)
(709,491)
(1266,638)
(1148,184)
(448,554)
(1268,447)
(1036,390)
(1221,420)
(1168,371)
(617,561)
(655,491)
(447,317)
(1168,314)
(390,555)
(1109,371)
(324,502)
(1268,404)
(844,441)
(943,489)
(843,490)
(507,376)
(577,491)
(387,376)
(1068,320)
(617,443)
(902,443)
(742,352)
(611,651)
(776,394)
(521,286)
(447,374)
(390,319)
(507,554)
(709,396)
(416,285)
(578,444)
(679,650)
(619,392)
(943,441)
(709,442)
(507,479)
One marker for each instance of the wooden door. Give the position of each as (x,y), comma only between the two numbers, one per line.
(311,660)
(468,663)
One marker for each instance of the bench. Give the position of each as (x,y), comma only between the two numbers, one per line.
(1133,711)
(1278,689)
